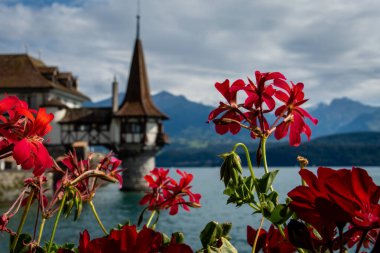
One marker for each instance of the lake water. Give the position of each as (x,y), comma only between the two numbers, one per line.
(118,207)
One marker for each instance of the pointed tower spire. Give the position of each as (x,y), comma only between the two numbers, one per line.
(137,101)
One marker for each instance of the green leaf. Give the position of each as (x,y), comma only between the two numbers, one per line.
(226,227)
(280,214)
(227,247)
(210,233)
(178,237)
(264,183)
(268,203)
(165,238)
(214,238)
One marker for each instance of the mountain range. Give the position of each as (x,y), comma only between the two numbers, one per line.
(188,119)
(348,133)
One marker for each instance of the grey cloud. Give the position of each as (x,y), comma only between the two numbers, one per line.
(189,45)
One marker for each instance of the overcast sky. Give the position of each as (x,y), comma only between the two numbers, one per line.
(333,47)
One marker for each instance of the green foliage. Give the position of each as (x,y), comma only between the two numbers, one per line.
(280,214)
(241,194)
(215,238)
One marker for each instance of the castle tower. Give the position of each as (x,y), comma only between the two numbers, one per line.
(139,121)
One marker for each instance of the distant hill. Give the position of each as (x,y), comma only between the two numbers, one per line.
(359,149)
(344,115)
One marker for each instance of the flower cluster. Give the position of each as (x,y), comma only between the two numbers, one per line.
(333,199)
(260,100)
(166,193)
(128,240)
(21,134)
(333,210)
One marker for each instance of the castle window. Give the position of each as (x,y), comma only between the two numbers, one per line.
(133,128)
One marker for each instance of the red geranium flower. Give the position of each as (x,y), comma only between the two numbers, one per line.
(166,193)
(294,115)
(312,204)
(29,151)
(334,198)
(358,195)
(231,109)
(128,240)
(261,93)
(80,171)
(181,190)
(158,181)
(23,131)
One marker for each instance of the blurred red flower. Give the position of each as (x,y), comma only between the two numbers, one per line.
(336,197)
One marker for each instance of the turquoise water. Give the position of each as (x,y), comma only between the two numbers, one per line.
(118,207)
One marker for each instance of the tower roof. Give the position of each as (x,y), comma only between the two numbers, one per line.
(137,101)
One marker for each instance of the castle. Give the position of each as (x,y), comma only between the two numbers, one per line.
(133,130)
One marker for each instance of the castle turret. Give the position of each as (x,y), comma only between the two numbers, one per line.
(140,121)
(115,95)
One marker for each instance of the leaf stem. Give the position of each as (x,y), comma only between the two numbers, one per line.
(23,219)
(97,217)
(56,221)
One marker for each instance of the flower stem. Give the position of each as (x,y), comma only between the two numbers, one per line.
(257,235)
(264,156)
(97,217)
(41,230)
(56,221)
(150,218)
(246,155)
(23,219)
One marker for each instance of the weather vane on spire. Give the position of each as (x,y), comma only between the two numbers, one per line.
(138,19)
